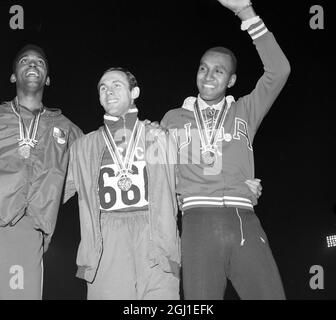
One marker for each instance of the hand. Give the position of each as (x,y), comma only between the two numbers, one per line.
(255,186)
(234,5)
(155,128)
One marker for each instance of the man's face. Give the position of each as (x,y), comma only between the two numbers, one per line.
(115,94)
(213,76)
(31,71)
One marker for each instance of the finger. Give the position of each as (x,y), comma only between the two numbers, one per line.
(252,183)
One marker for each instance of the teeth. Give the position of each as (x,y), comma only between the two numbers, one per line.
(32,74)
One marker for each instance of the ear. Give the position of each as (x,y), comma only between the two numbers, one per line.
(48,82)
(13,78)
(232,80)
(135,93)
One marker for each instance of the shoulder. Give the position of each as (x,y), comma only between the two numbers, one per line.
(87,138)
(172,115)
(5,107)
(61,121)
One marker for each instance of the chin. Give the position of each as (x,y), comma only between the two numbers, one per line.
(207,98)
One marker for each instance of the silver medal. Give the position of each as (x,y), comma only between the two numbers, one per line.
(209,157)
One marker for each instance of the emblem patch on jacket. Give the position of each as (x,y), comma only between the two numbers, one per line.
(59,135)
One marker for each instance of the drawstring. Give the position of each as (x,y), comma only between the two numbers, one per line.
(241,229)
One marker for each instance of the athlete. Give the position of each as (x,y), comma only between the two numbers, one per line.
(34,152)
(222,237)
(130,246)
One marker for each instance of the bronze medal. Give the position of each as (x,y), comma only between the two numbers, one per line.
(27,140)
(24,151)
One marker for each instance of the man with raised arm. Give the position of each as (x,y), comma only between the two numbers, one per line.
(222,237)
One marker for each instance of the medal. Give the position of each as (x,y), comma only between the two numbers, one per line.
(209,157)
(212,112)
(24,151)
(124,165)
(209,140)
(125,183)
(27,139)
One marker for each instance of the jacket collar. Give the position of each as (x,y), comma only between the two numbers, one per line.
(189,103)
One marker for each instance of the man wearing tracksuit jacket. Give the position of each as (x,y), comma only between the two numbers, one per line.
(222,237)
(34,153)
(130,246)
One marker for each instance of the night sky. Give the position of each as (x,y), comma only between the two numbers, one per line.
(161,42)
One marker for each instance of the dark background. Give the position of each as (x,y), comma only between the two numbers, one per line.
(161,42)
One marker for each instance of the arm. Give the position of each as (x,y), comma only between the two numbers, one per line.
(70,188)
(276,65)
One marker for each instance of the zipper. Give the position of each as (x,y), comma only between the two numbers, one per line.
(149,199)
(97,197)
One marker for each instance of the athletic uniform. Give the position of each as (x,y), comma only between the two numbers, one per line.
(221,236)
(130,246)
(31,183)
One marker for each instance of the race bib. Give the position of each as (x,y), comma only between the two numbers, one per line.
(112,198)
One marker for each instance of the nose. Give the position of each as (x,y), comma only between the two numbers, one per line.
(110,91)
(32,63)
(209,75)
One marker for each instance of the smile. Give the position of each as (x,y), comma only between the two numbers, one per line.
(31,73)
(112,100)
(209,86)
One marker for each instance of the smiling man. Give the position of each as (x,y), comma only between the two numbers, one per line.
(222,237)
(34,153)
(129,246)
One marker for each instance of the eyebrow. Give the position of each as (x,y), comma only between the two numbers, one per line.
(27,55)
(115,81)
(202,63)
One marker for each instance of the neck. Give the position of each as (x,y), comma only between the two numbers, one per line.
(31,100)
(213,102)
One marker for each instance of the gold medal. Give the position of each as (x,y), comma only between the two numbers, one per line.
(24,151)
(124,165)
(125,183)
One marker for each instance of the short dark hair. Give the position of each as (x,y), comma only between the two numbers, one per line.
(30,47)
(228,52)
(130,77)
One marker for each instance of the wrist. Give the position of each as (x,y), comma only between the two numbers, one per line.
(246,12)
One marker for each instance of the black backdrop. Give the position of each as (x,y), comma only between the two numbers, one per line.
(161,43)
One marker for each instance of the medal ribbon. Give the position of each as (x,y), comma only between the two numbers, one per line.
(206,139)
(27,136)
(126,165)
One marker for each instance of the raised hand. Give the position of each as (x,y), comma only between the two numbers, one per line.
(235,5)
